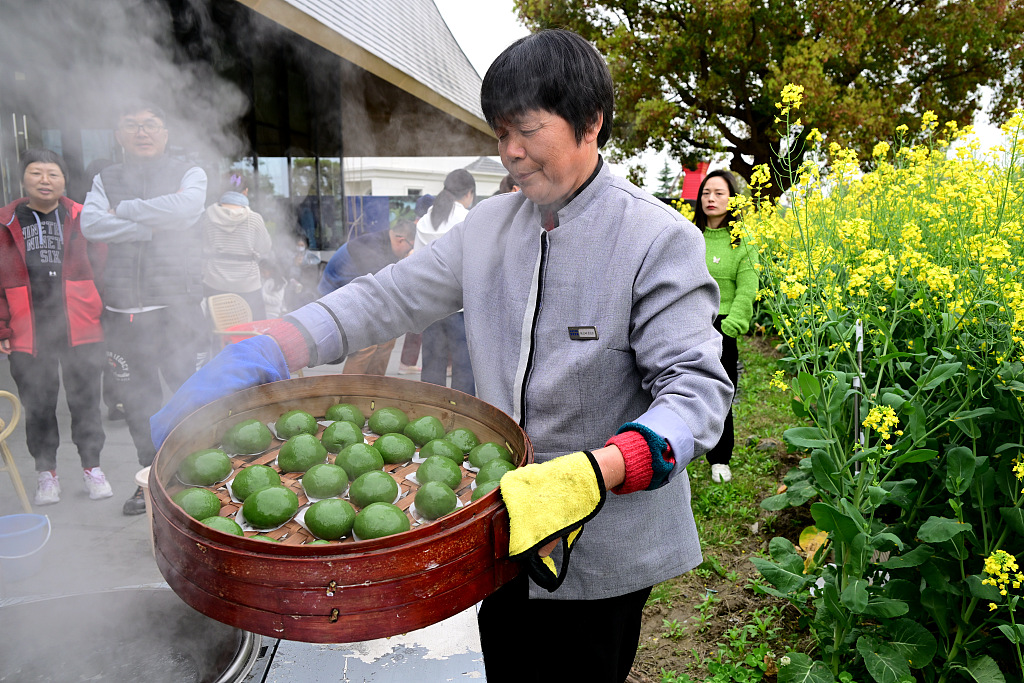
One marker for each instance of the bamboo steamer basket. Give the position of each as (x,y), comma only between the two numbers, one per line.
(343,591)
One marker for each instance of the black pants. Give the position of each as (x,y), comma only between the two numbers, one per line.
(722,453)
(143,347)
(38,385)
(558,640)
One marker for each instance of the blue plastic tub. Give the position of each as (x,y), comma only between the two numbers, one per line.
(22,537)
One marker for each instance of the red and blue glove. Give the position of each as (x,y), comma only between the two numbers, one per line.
(249,363)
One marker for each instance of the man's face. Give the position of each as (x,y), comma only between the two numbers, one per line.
(539,149)
(142,135)
(43,183)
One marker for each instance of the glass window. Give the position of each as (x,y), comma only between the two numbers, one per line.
(273,197)
(331,197)
(99,146)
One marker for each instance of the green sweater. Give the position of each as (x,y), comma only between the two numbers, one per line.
(733,270)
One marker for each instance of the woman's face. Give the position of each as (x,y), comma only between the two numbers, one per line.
(43,183)
(715,200)
(539,149)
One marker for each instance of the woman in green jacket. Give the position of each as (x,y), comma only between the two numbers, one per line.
(731,262)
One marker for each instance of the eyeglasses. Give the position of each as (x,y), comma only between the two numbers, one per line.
(148,127)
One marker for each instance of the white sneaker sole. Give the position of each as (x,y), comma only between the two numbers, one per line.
(101,494)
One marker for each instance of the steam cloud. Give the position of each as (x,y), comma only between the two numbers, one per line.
(80,60)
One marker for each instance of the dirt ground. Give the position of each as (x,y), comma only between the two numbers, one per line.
(677,635)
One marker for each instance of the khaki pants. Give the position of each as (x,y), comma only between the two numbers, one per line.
(370,361)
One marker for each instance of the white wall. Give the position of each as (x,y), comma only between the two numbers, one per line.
(396,176)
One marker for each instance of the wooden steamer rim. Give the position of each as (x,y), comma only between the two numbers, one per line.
(339,592)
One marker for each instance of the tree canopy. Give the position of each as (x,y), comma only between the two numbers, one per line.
(702,77)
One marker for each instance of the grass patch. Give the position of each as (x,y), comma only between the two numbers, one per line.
(725,513)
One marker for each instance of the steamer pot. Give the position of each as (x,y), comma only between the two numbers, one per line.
(139,634)
(340,592)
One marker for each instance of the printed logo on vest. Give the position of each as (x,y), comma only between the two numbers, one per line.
(583,333)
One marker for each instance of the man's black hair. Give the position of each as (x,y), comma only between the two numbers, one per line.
(129,108)
(43,156)
(553,70)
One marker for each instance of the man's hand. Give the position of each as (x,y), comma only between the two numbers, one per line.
(5,346)
(249,363)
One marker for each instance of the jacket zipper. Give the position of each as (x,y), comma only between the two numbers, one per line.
(138,252)
(533,329)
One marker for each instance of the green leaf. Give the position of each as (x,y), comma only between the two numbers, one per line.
(894,401)
(960,465)
(884,663)
(938,529)
(800,493)
(837,396)
(775,503)
(799,409)
(828,518)
(810,387)
(1014,632)
(1015,518)
(938,605)
(855,595)
(914,558)
(886,540)
(886,608)
(785,580)
(968,414)
(825,472)
(801,669)
(937,375)
(968,427)
(901,492)
(918,455)
(912,640)
(784,552)
(1010,447)
(917,425)
(876,495)
(807,437)
(983,591)
(983,670)
(830,596)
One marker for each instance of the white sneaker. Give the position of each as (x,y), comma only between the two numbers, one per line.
(97,484)
(47,489)
(721,474)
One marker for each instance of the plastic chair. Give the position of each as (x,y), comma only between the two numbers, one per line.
(8,459)
(227,310)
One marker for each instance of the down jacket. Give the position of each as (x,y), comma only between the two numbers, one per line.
(81,297)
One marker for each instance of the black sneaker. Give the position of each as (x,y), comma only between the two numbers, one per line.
(136,505)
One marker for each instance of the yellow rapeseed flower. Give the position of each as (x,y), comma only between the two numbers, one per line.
(778,381)
(881,419)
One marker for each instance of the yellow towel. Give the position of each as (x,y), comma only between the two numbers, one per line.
(549,501)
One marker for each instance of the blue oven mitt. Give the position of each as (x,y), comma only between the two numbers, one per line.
(248,363)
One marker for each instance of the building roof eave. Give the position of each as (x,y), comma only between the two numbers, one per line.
(295,19)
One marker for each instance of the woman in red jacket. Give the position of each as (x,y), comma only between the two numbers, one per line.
(49,318)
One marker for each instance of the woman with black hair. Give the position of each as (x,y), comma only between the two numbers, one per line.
(589,318)
(50,321)
(445,340)
(731,262)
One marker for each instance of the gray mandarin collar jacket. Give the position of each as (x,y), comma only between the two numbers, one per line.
(621,265)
